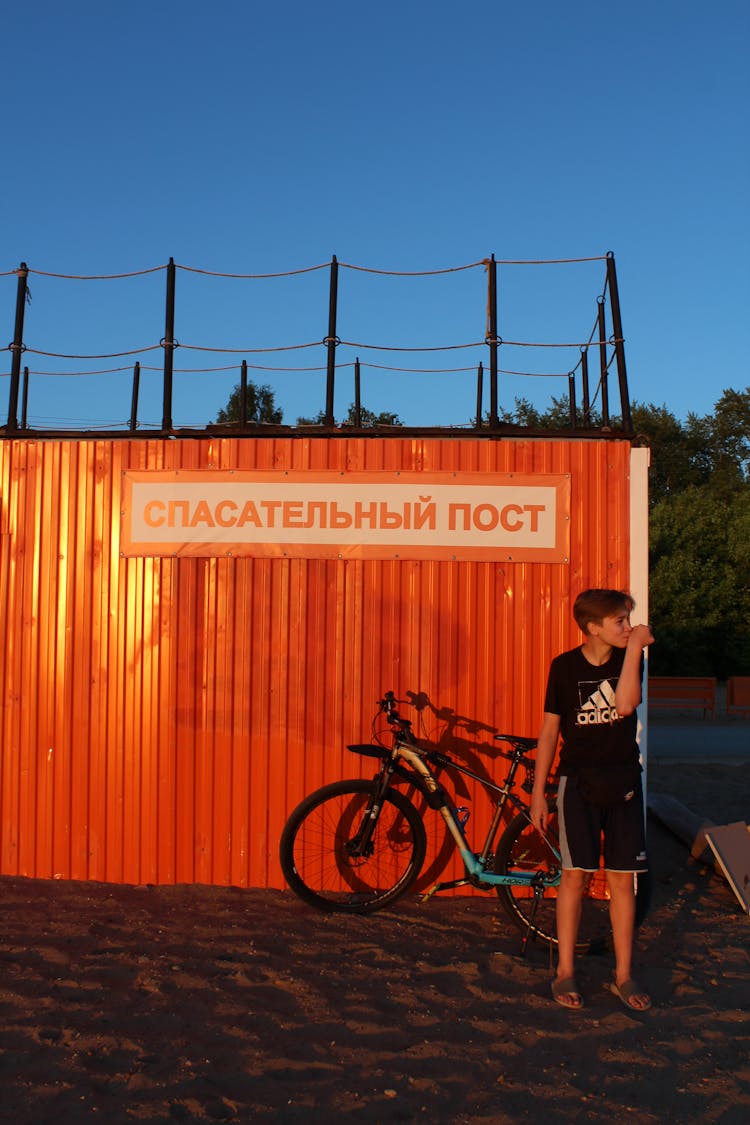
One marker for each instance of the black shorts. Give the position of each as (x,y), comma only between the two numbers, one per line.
(582,825)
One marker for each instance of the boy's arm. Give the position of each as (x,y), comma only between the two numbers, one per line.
(545,755)
(628,693)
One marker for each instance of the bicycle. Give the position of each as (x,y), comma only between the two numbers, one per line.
(357,846)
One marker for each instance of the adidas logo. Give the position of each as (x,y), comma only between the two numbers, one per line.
(599,707)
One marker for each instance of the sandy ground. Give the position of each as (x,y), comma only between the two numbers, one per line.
(190,1003)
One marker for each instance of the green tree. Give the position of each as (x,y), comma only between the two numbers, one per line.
(261,405)
(555,417)
(699,535)
(676,451)
(724,440)
(699,497)
(714,448)
(700,582)
(368,419)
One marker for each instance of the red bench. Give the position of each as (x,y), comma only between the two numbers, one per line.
(683,692)
(738,696)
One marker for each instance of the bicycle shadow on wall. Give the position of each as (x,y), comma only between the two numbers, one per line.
(459,736)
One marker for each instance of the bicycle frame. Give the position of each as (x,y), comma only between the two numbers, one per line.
(419,774)
(476,863)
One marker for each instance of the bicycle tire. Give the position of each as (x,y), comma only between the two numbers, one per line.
(521,848)
(320,870)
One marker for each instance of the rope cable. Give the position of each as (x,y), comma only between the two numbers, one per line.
(473,265)
(241,351)
(535,374)
(95,277)
(252,276)
(437,348)
(412,273)
(250,367)
(287,370)
(100,371)
(612,342)
(110,355)
(184,370)
(548,261)
(538,344)
(419,370)
(309,269)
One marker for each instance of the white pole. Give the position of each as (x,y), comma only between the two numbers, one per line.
(639,462)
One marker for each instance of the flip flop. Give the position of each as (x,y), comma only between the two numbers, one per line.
(626,991)
(563,992)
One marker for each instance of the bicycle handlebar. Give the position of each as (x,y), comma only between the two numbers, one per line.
(388,706)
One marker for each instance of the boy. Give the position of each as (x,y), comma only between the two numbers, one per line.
(592,694)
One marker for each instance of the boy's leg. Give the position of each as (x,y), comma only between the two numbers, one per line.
(624,853)
(568,908)
(622,916)
(579,847)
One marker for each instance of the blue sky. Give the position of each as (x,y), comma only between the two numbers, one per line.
(406,136)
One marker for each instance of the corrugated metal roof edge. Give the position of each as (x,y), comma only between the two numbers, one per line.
(211,432)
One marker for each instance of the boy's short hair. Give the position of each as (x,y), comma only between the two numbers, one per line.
(594,605)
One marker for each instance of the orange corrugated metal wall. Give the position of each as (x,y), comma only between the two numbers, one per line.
(161,716)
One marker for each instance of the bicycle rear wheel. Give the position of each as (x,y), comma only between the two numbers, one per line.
(523,850)
(317,857)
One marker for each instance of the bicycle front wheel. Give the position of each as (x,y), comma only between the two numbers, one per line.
(522,850)
(322,866)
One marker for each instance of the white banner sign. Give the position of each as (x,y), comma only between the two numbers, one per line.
(330,515)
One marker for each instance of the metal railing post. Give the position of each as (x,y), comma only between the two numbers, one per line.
(134,397)
(331,340)
(585,386)
(572,401)
(622,375)
(25,400)
(243,393)
(492,339)
(168,343)
(480,394)
(603,361)
(357,394)
(17,347)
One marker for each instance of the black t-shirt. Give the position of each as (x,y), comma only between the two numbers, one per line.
(583,695)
